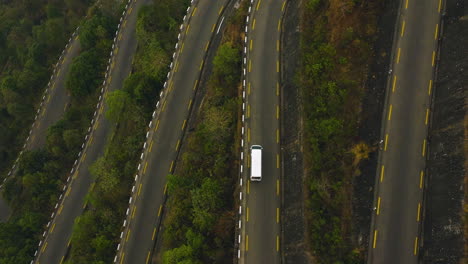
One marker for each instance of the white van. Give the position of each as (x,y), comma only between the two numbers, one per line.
(256,163)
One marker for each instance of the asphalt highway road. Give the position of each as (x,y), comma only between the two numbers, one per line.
(57,242)
(261,231)
(395,232)
(166,132)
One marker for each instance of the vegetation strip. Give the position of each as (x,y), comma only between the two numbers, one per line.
(336,49)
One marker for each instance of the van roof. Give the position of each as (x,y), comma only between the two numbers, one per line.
(256,162)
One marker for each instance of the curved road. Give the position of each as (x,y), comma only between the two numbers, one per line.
(398,211)
(261,231)
(139,236)
(57,242)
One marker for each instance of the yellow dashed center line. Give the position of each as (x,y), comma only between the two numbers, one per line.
(151,146)
(378,206)
(253,24)
(183,124)
(440,5)
(44,247)
(250,65)
(139,189)
(189,104)
(394,83)
(154,234)
(122,259)
(201,64)
(403,28)
(251,45)
(279,25)
(194,11)
(195,84)
(187,30)
(282,7)
(128,234)
(398,56)
(220,10)
(277,243)
(248,191)
(277,45)
(60,209)
(419,212)
(148,257)
(427,116)
(159,211)
(382,173)
(52,229)
(133,212)
(406,4)
(248,88)
(248,110)
(165,188)
(374,243)
(247,243)
(433,58)
(277,215)
(424,148)
(277,161)
(436,31)
(415,246)
(277,136)
(390,113)
(421,177)
(182,48)
(146,165)
(248,134)
(258,4)
(386,141)
(206,46)
(177,145)
(277,187)
(213,28)
(430,87)
(277,112)
(172,165)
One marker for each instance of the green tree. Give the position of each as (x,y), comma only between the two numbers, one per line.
(83,77)
(117,102)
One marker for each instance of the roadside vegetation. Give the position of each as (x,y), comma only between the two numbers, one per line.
(199,223)
(35,189)
(336,46)
(96,232)
(32,35)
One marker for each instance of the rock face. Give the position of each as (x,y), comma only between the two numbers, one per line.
(443,221)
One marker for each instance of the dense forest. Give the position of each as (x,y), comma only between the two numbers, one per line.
(35,188)
(336,47)
(32,35)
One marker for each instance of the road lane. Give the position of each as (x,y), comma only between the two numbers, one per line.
(261,230)
(56,243)
(165,134)
(398,212)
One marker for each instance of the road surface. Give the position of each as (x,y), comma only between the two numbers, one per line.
(166,131)
(395,231)
(261,231)
(56,244)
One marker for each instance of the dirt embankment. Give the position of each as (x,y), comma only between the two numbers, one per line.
(294,245)
(443,226)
